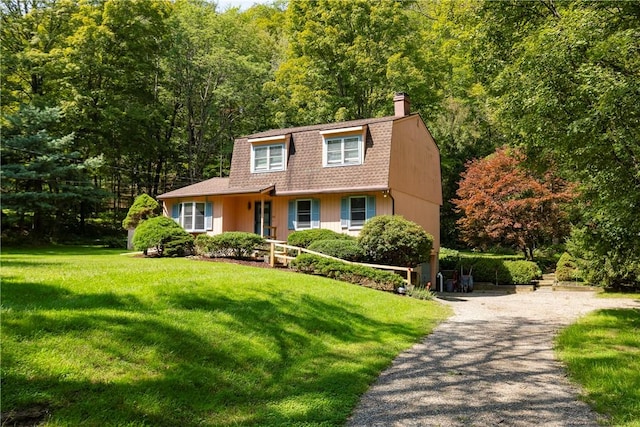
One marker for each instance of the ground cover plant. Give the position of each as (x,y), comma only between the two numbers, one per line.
(357,274)
(602,353)
(92,337)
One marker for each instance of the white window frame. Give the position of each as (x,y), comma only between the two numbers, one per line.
(192,227)
(350,211)
(297,221)
(270,167)
(342,140)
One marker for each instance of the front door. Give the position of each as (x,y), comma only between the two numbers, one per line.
(257,215)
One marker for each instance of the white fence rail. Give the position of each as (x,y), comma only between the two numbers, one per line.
(279,250)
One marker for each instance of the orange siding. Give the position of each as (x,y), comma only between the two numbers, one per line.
(415,178)
(329,212)
(426,214)
(415,161)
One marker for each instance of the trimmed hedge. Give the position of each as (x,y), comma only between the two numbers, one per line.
(449,259)
(343,249)
(164,235)
(356,274)
(504,271)
(567,269)
(304,238)
(235,244)
(522,272)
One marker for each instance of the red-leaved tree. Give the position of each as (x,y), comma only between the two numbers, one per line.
(504,203)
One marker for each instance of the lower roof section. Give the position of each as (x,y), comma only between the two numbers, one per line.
(220,187)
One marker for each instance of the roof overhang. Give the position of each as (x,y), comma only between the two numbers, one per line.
(342,130)
(332,190)
(224,192)
(267,139)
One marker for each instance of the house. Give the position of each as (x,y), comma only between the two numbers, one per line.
(333,175)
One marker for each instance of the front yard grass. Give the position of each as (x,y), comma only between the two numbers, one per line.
(602,353)
(92,337)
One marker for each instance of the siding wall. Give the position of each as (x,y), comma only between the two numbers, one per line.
(415,161)
(422,212)
(236,213)
(414,175)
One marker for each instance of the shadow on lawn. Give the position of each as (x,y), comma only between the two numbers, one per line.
(19,295)
(274,362)
(58,250)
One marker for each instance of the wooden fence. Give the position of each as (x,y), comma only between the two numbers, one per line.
(279,250)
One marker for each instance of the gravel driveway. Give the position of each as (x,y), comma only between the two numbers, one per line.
(491,364)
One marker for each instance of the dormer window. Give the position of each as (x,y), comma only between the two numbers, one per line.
(268,154)
(343,147)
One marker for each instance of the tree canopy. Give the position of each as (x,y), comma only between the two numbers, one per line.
(504,204)
(45,183)
(158,90)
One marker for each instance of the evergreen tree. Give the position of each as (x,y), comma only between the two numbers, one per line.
(44,183)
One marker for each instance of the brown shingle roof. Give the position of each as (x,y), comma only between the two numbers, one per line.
(304,172)
(211,187)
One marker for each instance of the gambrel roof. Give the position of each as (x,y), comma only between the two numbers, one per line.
(304,171)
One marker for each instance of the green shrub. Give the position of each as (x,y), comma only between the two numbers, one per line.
(236,244)
(567,268)
(343,249)
(357,274)
(393,240)
(449,259)
(499,270)
(164,235)
(204,245)
(304,238)
(612,264)
(143,207)
(522,272)
(485,269)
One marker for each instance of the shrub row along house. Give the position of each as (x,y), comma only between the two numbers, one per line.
(334,176)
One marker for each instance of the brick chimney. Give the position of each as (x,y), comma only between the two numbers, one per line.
(401,104)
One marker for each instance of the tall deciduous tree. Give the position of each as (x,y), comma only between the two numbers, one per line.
(215,71)
(30,32)
(460,120)
(566,77)
(505,204)
(109,74)
(346,59)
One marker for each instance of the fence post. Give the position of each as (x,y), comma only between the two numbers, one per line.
(272,254)
(408,276)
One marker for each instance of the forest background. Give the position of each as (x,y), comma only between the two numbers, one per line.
(105,100)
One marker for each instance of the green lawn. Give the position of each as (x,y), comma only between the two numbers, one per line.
(602,352)
(93,337)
